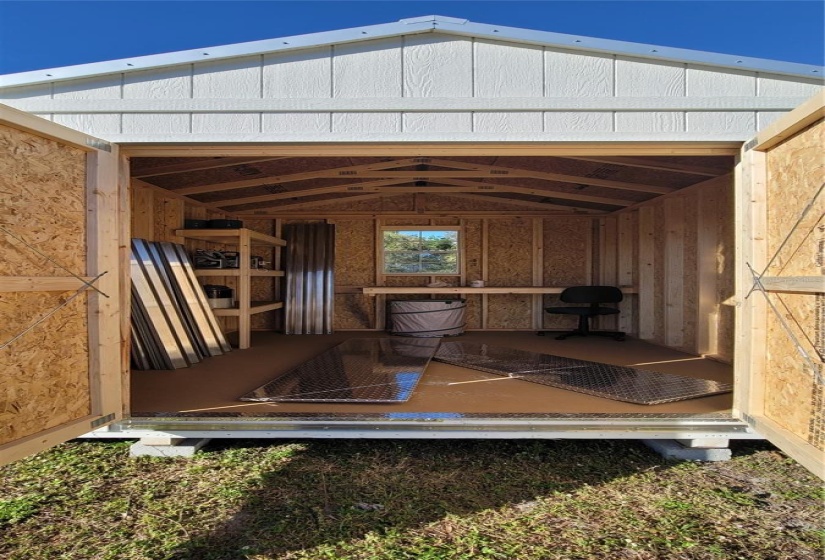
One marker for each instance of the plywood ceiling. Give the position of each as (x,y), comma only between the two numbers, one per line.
(278,185)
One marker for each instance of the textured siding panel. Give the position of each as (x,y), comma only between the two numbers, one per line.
(437,66)
(41,91)
(99,124)
(574,75)
(227,79)
(366,122)
(156,123)
(438,122)
(169,83)
(778,87)
(225,122)
(105,87)
(703,82)
(366,76)
(291,122)
(508,122)
(719,121)
(578,122)
(368,69)
(764,118)
(303,74)
(508,70)
(644,79)
(660,121)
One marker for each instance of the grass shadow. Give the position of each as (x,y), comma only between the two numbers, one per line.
(335,491)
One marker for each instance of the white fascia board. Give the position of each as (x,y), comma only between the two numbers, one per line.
(425,24)
(636,50)
(206,54)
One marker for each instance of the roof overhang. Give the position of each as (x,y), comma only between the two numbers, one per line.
(411,26)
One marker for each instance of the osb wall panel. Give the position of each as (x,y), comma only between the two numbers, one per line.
(509,311)
(354,311)
(795,171)
(354,266)
(43,201)
(46,371)
(473,266)
(509,263)
(566,248)
(441,203)
(263,289)
(405,222)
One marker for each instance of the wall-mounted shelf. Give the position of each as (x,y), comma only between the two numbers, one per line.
(254,307)
(205,272)
(245,239)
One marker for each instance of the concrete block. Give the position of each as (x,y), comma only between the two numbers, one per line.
(672,449)
(716,443)
(183,448)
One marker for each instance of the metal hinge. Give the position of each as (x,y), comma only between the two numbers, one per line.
(99,144)
(103,420)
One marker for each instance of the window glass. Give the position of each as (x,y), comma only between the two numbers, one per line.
(420,251)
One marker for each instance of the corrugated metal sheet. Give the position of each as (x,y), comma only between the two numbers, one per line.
(310,257)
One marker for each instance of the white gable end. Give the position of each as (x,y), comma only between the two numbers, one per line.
(421,86)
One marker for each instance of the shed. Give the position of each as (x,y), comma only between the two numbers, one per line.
(690,180)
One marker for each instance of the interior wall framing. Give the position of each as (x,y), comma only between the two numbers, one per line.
(677,250)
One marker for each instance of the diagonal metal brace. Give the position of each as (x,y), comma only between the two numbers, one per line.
(757,285)
(787,238)
(79,291)
(54,262)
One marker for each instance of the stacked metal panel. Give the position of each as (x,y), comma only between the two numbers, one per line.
(618,383)
(172,324)
(310,258)
(360,370)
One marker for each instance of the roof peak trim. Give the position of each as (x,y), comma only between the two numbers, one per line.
(409,26)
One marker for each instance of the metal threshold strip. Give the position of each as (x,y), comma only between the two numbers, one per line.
(435,425)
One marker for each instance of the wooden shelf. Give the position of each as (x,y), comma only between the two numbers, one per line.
(244,239)
(205,272)
(230,236)
(254,307)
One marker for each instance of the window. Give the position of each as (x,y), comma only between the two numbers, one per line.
(420,250)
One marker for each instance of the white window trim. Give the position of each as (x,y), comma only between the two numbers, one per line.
(459,250)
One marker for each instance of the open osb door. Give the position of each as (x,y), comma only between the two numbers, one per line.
(781,287)
(61,365)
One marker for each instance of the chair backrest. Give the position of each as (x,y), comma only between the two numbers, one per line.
(592,294)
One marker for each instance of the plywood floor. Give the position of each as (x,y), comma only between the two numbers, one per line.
(214,385)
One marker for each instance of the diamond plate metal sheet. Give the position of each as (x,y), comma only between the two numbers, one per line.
(593,378)
(361,370)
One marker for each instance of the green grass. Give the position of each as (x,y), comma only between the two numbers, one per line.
(405,500)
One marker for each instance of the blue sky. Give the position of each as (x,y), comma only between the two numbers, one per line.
(40,34)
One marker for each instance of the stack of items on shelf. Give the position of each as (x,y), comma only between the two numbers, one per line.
(172,324)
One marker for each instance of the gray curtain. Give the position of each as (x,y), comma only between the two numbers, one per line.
(310,259)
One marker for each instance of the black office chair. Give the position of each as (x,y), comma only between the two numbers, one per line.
(593,296)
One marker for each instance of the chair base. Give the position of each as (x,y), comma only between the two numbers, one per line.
(616,335)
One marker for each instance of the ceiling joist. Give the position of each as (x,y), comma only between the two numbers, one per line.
(201,165)
(654,164)
(335,173)
(500,172)
(546,193)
